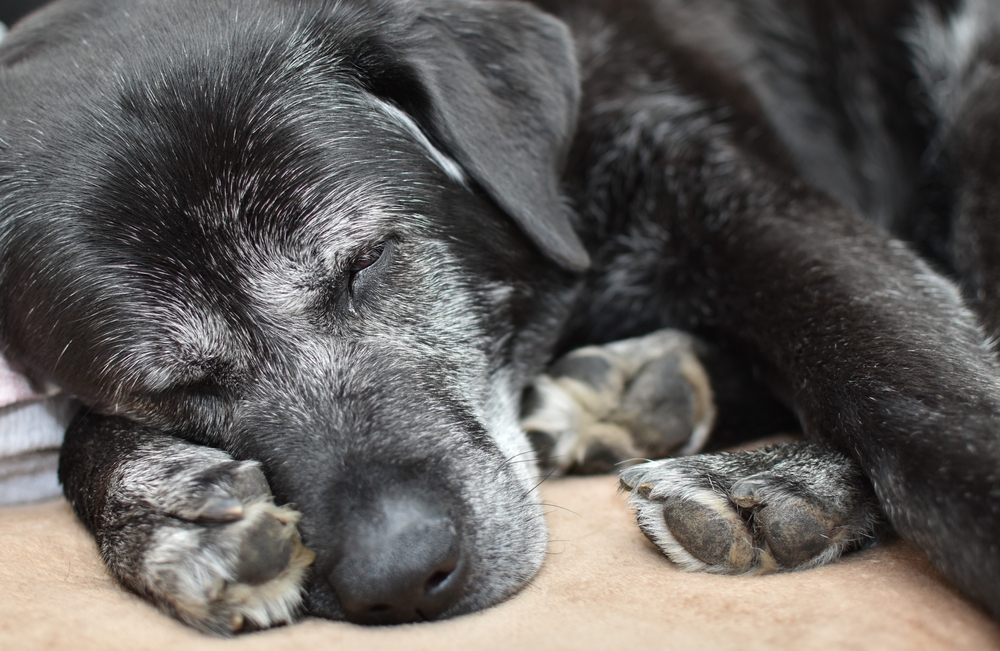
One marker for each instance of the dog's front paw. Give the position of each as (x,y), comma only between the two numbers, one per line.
(202,538)
(636,398)
(788,507)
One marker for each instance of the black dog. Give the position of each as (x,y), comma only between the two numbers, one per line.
(320,249)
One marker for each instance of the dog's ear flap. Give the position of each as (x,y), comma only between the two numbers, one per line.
(502,87)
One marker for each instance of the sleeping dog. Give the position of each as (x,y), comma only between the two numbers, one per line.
(301,259)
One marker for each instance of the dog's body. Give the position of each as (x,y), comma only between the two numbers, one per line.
(329,238)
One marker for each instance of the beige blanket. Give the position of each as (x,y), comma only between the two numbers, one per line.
(602,587)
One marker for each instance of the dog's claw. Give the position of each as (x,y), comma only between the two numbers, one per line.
(236,622)
(220,509)
(748,493)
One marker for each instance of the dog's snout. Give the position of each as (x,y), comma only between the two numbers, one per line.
(403,565)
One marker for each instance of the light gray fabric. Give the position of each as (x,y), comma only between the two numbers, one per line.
(29,478)
(30,436)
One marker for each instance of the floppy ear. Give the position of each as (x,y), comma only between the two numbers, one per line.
(502,87)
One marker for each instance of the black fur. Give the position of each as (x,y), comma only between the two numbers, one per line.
(216,228)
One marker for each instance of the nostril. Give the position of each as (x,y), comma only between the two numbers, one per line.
(444,576)
(436,581)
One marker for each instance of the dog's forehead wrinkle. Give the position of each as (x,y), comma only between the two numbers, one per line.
(330,200)
(188,343)
(289,150)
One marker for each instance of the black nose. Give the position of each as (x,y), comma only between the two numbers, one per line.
(401,564)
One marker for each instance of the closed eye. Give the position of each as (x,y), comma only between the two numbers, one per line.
(366,265)
(207,387)
(367,258)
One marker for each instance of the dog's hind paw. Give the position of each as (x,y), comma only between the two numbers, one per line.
(786,507)
(645,397)
(202,538)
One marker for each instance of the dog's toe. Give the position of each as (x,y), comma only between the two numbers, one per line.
(794,535)
(711,532)
(794,527)
(690,519)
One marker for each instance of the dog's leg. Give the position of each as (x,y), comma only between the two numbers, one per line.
(789,506)
(188,527)
(880,355)
(645,397)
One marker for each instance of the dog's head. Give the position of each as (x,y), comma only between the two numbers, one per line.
(323,235)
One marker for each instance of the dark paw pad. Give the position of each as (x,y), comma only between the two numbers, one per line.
(712,537)
(589,369)
(265,552)
(637,398)
(793,533)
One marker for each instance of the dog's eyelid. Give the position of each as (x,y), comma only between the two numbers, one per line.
(209,379)
(366,267)
(210,387)
(203,387)
(368,257)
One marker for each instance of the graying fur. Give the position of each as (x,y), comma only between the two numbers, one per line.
(334,241)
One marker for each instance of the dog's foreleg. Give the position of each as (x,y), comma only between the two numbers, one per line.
(879,353)
(787,507)
(188,527)
(663,394)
